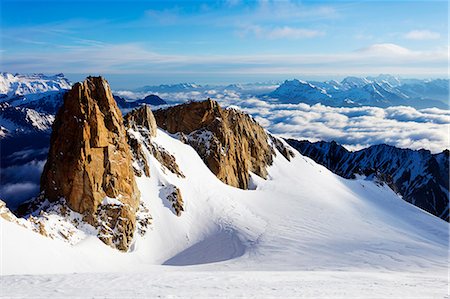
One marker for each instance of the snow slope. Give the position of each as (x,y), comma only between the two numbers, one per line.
(326,229)
(170,282)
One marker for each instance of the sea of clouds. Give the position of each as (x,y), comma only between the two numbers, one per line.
(353,127)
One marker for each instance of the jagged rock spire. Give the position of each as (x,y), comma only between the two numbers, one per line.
(89,162)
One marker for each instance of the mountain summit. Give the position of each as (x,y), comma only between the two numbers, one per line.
(89,162)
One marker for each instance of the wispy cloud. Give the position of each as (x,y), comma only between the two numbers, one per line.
(253,12)
(422,35)
(386,49)
(92,57)
(280,32)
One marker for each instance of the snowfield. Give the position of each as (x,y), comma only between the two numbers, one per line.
(179,282)
(304,232)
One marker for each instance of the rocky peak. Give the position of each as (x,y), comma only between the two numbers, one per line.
(141,117)
(89,162)
(189,117)
(230,142)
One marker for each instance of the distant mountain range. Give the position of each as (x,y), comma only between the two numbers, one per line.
(256,88)
(381,91)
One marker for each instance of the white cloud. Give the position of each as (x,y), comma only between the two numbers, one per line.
(422,35)
(281,32)
(385,49)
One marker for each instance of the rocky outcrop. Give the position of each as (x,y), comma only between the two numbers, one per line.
(230,142)
(141,127)
(173,195)
(282,148)
(166,159)
(420,177)
(90,165)
(141,118)
(5,213)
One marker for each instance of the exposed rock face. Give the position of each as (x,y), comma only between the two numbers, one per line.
(89,161)
(173,195)
(5,213)
(420,177)
(280,146)
(142,122)
(167,160)
(230,142)
(141,117)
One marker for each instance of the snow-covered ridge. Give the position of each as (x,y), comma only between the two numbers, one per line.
(12,85)
(380,91)
(23,120)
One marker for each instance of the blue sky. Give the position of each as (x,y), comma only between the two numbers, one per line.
(153,42)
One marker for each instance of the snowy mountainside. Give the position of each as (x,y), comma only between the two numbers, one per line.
(420,177)
(29,102)
(303,217)
(21,85)
(47,102)
(302,221)
(15,120)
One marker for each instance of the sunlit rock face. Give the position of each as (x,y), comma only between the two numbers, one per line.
(90,164)
(230,142)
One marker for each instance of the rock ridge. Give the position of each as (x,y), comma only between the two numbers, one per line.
(231,143)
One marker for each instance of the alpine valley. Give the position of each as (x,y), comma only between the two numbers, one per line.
(148,193)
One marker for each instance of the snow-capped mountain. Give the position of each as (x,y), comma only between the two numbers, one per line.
(420,177)
(432,89)
(29,102)
(354,82)
(19,120)
(386,79)
(39,92)
(371,94)
(256,88)
(18,85)
(380,91)
(296,91)
(179,87)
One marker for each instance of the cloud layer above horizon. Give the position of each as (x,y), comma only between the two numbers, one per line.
(355,128)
